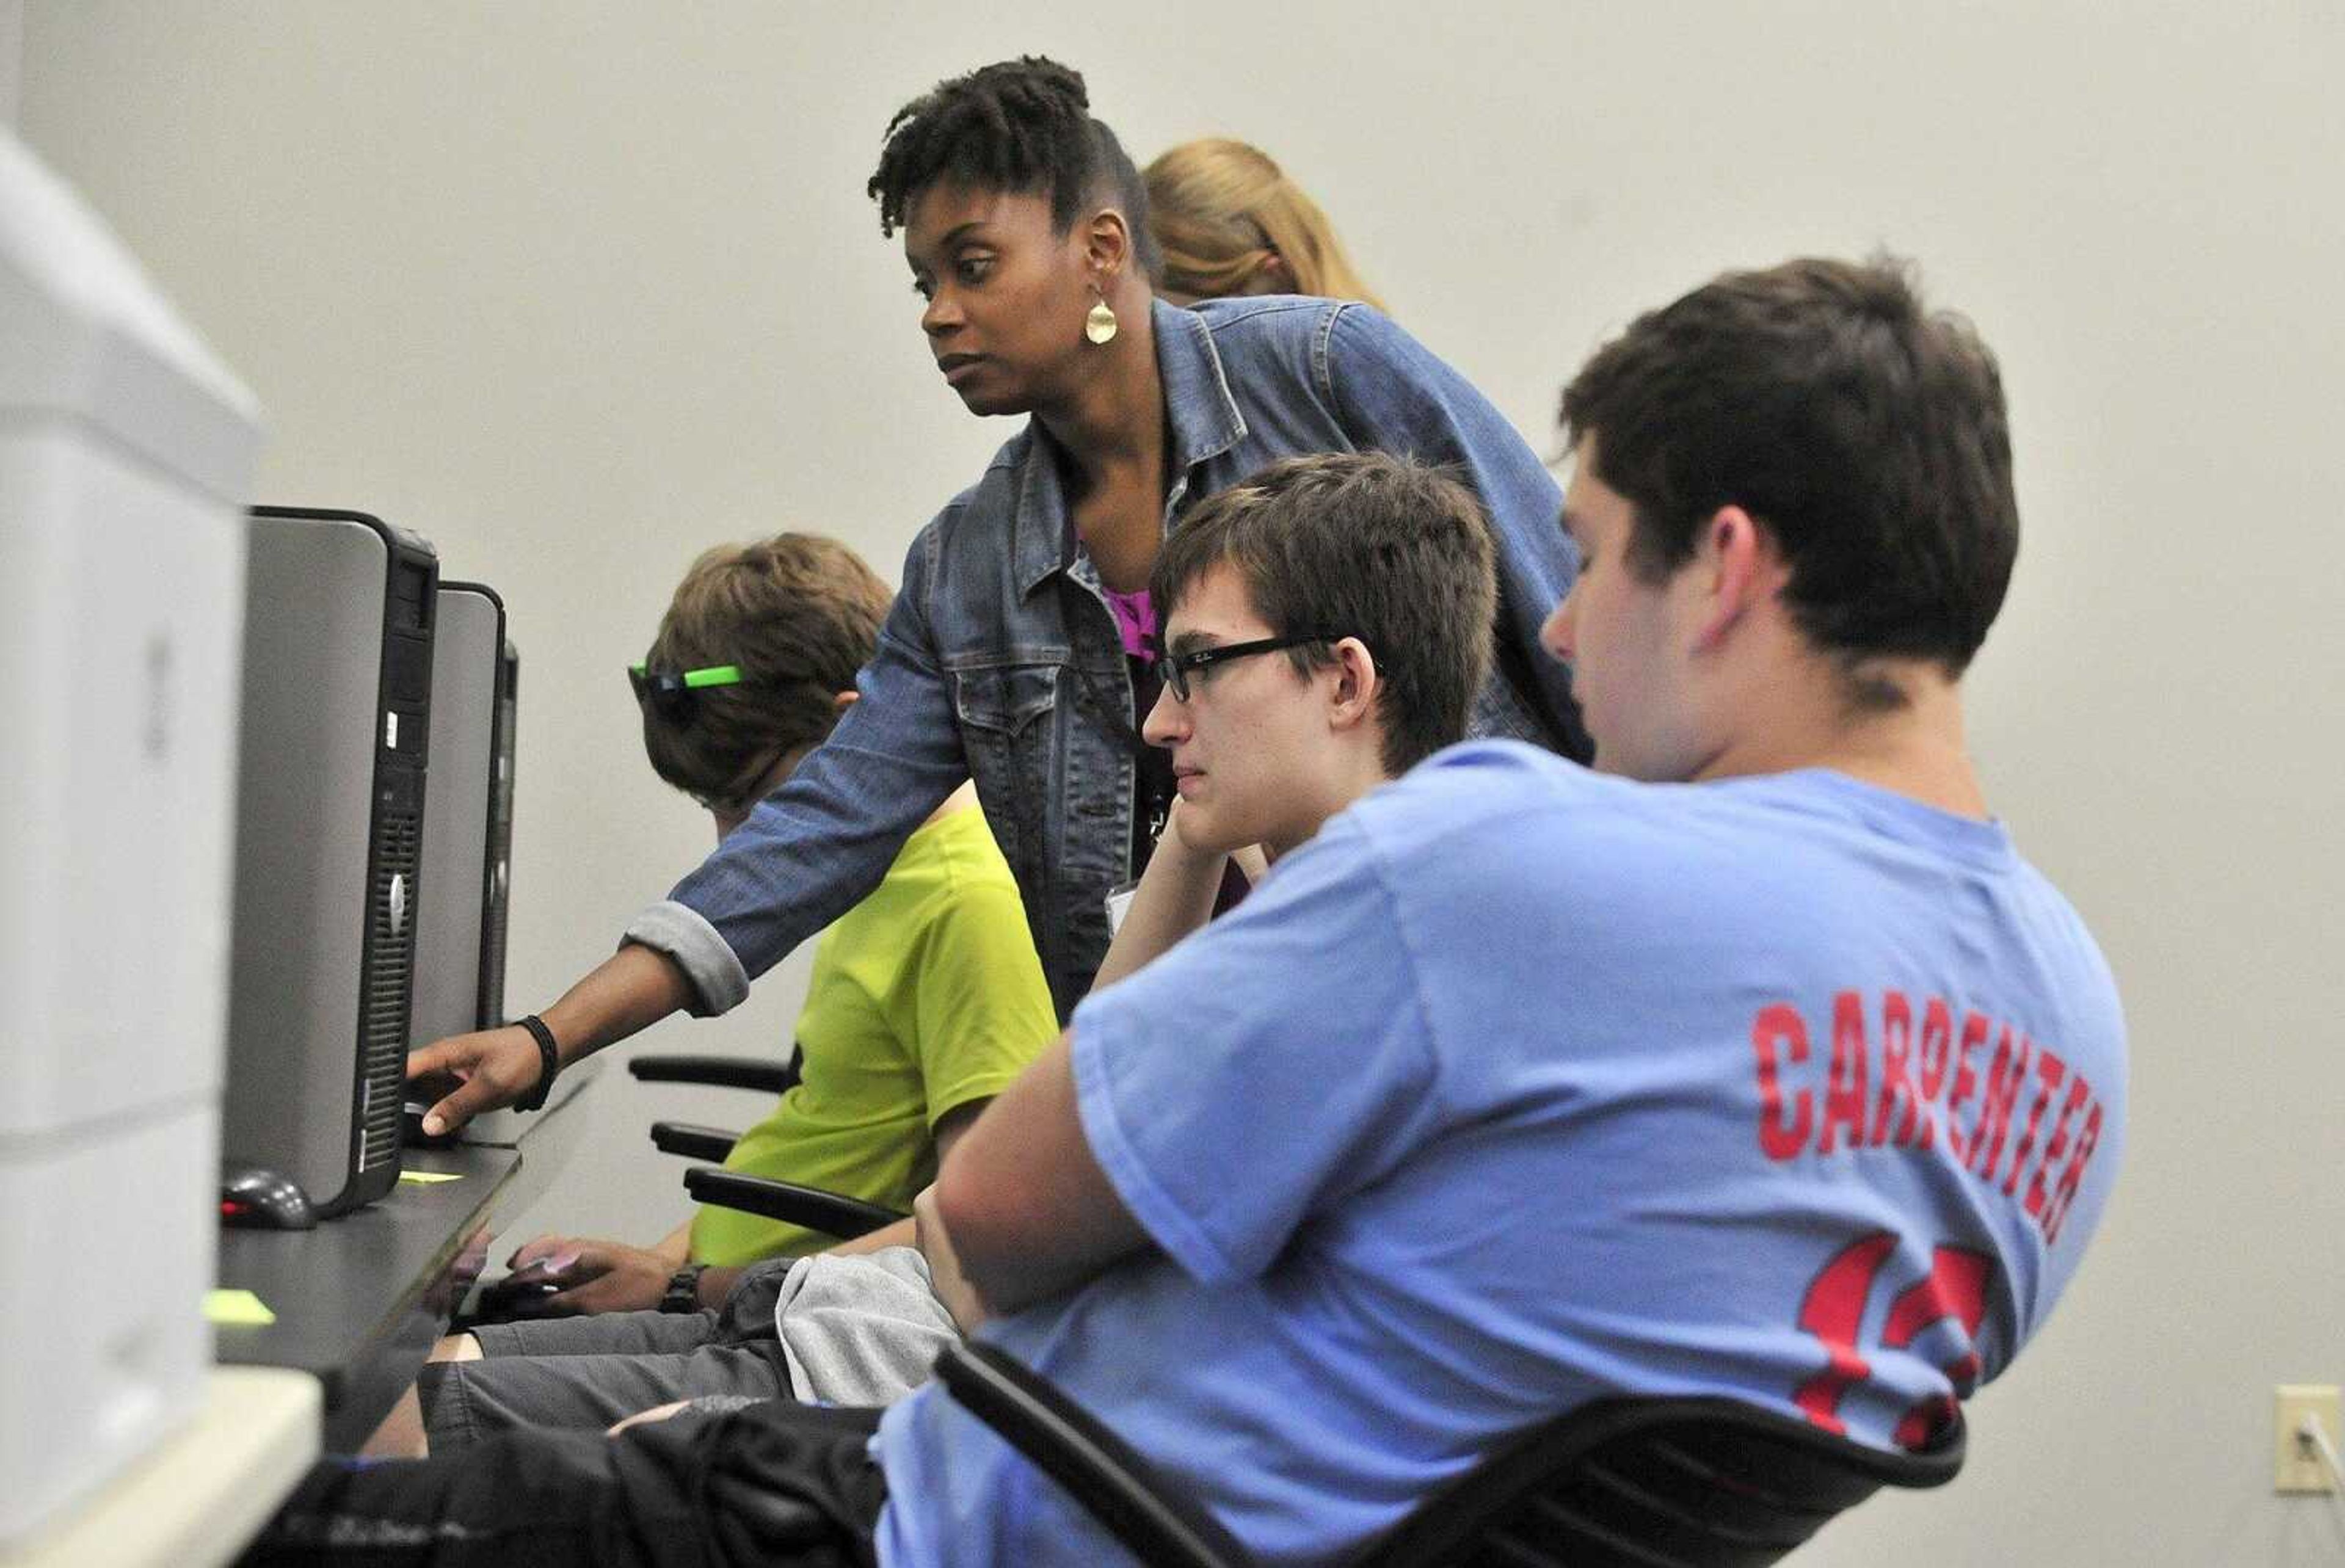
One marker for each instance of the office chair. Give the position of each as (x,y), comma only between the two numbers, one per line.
(1688,1482)
(832,1213)
(695,1140)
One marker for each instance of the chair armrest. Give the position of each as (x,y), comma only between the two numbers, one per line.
(721,1072)
(1098,1469)
(692,1141)
(828,1212)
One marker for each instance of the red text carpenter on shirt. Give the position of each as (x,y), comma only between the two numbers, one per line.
(2009,1110)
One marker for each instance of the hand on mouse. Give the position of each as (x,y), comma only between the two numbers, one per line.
(492,1068)
(597,1275)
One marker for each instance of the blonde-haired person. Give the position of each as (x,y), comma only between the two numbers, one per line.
(1232,223)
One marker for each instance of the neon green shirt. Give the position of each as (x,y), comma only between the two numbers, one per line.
(925,995)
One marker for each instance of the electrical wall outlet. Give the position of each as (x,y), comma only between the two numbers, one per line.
(2296,1465)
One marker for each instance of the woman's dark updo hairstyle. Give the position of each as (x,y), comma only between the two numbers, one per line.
(1022,126)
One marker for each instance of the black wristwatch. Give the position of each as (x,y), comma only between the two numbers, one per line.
(682,1294)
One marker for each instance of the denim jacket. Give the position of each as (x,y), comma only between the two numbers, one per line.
(1001,661)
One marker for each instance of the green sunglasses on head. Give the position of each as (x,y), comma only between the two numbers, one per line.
(670,693)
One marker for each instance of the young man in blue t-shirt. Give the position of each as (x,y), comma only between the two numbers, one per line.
(1766,1068)
(858,1326)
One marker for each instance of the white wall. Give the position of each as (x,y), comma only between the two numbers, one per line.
(12,39)
(577,289)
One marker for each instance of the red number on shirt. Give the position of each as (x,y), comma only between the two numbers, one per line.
(1833,1312)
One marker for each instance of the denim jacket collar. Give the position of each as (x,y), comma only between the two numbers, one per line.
(1202,419)
(1202,415)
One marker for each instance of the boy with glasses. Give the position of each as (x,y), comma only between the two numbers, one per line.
(1264,749)
(1318,641)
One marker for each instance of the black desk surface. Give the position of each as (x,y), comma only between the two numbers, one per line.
(359,1300)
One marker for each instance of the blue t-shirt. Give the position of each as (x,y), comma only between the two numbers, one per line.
(1519,1087)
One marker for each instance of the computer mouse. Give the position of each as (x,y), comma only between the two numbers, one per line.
(420,1094)
(411,1126)
(526,1291)
(255,1196)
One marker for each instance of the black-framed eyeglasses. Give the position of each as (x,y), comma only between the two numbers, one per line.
(673,694)
(1176,668)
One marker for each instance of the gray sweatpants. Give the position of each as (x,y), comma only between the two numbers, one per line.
(855,1330)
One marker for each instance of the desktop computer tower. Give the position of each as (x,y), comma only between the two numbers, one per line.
(329,835)
(467,821)
(459,953)
(503,1128)
(127,454)
(498,900)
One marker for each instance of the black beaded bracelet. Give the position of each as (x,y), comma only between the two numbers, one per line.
(549,1062)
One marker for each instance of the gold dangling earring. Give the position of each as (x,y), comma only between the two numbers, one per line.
(1100,325)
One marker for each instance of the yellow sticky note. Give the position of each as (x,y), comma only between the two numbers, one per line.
(429,1177)
(238,1308)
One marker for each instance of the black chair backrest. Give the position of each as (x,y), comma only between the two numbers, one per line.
(1114,1484)
(717,1072)
(832,1213)
(1656,1483)
(1616,1483)
(694,1141)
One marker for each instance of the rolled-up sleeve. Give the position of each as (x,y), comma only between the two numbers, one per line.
(719,983)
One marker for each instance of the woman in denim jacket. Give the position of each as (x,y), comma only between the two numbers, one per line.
(1016,653)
